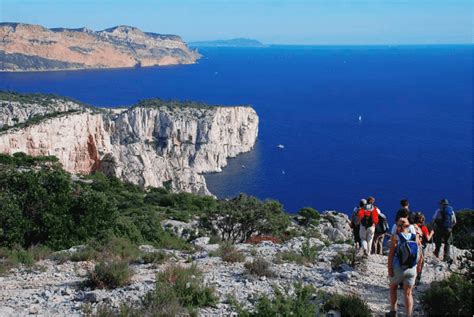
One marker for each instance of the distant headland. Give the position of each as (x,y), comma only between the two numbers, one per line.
(238,42)
(27,47)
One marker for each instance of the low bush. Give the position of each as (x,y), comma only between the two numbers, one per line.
(348,257)
(463,231)
(21,256)
(153,257)
(110,274)
(450,297)
(179,291)
(259,267)
(347,305)
(228,253)
(309,216)
(301,303)
(307,255)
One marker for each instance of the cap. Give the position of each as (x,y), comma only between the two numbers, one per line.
(444,201)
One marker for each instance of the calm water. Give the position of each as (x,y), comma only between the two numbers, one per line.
(414,140)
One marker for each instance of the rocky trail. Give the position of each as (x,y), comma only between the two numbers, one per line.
(53,289)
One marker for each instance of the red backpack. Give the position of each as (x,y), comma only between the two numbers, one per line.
(367,220)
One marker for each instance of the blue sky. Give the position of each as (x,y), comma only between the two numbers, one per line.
(271,21)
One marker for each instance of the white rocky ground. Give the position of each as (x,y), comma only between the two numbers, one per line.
(52,289)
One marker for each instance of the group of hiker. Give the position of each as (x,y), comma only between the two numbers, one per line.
(408,238)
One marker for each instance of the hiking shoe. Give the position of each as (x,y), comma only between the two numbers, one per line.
(391,313)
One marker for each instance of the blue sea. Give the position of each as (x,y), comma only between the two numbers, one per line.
(414,139)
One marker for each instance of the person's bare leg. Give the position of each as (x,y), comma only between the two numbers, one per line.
(393,297)
(408,291)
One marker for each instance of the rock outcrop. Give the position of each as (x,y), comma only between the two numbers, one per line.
(26,47)
(148,144)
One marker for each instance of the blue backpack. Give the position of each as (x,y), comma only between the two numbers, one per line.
(407,251)
(447,215)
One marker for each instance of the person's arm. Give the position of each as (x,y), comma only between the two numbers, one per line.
(435,216)
(360,214)
(419,265)
(454,218)
(391,254)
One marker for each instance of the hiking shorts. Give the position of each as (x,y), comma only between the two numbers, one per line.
(407,276)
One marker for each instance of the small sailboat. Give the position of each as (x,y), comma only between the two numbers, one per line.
(360,118)
(280,146)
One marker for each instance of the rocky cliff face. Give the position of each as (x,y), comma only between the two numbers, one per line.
(25,47)
(145,145)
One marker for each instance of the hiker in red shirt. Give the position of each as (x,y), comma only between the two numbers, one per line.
(369,218)
(425,237)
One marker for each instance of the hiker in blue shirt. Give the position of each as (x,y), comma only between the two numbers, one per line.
(444,220)
(404,262)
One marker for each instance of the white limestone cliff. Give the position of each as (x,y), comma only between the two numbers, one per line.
(149,146)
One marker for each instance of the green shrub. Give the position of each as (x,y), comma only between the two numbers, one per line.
(228,253)
(259,267)
(236,220)
(307,255)
(179,291)
(349,257)
(310,216)
(463,231)
(111,274)
(22,256)
(301,304)
(449,297)
(348,305)
(154,257)
(39,252)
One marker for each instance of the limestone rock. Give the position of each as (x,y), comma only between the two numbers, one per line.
(144,145)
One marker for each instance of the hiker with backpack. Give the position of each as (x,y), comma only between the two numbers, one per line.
(444,220)
(355,223)
(368,218)
(404,262)
(380,230)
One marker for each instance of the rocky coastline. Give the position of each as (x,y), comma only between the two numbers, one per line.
(154,143)
(27,47)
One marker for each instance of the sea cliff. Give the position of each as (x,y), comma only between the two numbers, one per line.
(27,47)
(151,144)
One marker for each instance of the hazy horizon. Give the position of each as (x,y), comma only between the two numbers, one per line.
(279,22)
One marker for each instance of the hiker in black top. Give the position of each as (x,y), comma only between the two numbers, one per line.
(405,208)
(444,220)
(355,223)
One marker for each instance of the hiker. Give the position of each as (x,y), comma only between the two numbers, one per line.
(380,230)
(404,260)
(405,208)
(402,213)
(444,220)
(355,223)
(369,218)
(426,237)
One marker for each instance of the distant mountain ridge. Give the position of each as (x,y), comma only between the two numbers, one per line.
(237,42)
(28,47)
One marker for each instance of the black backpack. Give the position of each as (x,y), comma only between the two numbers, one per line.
(382,226)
